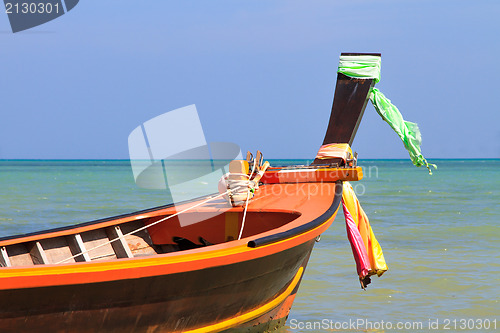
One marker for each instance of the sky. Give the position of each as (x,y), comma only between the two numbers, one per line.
(261,74)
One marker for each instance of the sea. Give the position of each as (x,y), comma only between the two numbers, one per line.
(440,235)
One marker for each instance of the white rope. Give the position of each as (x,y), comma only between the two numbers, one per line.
(238,185)
(244,214)
(248,199)
(146,226)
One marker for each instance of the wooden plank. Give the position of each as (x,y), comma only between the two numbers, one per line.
(38,254)
(120,246)
(140,243)
(97,243)
(4,257)
(76,246)
(306,175)
(19,255)
(57,249)
(349,102)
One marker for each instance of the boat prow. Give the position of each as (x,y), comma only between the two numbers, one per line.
(206,265)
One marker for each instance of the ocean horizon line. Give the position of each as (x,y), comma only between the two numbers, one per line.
(270,159)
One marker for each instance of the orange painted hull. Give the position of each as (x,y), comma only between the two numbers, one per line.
(232,285)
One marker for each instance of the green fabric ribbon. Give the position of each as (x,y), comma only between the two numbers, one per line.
(368,67)
(407,131)
(361,67)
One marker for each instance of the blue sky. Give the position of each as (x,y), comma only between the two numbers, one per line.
(261,73)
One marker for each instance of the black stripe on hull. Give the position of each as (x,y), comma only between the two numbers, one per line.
(174,302)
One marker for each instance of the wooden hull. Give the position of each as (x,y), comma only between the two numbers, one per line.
(235,286)
(172,302)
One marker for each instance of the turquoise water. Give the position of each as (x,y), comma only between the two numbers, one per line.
(441,239)
(440,235)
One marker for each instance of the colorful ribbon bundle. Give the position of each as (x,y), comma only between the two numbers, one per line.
(365,247)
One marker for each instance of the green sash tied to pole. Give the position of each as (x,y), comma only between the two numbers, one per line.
(368,67)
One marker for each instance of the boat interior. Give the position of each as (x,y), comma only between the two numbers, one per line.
(108,240)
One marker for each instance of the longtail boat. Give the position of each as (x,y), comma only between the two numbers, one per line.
(237,269)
